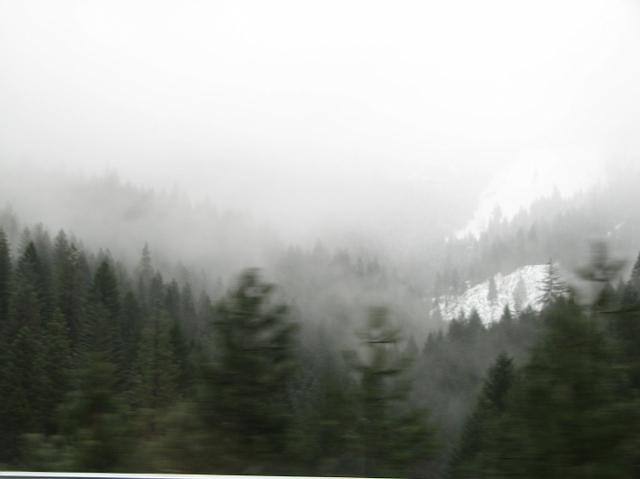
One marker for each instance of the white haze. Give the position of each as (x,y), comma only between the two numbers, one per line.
(387,118)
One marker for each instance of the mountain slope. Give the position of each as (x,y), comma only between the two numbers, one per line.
(517,290)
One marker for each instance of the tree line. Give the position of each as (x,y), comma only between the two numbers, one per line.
(106,370)
(109,368)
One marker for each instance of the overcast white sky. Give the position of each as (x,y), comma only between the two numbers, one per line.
(337,109)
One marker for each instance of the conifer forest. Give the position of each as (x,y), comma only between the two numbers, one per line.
(337,239)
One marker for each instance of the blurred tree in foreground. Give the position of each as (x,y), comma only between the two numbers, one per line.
(391,438)
(244,392)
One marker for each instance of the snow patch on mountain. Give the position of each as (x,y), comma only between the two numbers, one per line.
(518,290)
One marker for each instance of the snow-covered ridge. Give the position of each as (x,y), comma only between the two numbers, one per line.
(518,290)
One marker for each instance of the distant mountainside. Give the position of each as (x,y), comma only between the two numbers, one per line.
(557,227)
(538,175)
(518,290)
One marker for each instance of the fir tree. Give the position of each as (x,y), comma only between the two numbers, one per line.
(70,285)
(392,437)
(157,373)
(57,354)
(30,273)
(188,312)
(244,393)
(323,440)
(24,384)
(5,278)
(470,457)
(520,295)
(91,420)
(572,414)
(551,287)
(631,293)
(506,318)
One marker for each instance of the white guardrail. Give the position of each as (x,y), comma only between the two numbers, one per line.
(100,475)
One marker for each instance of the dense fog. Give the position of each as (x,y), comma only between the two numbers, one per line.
(330,239)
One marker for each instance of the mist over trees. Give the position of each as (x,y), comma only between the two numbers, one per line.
(327,360)
(336,239)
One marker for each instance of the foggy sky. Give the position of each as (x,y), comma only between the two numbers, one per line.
(361,113)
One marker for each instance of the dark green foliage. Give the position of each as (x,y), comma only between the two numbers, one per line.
(100,373)
(244,392)
(92,434)
(157,371)
(24,383)
(188,311)
(470,457)
(390,437)
(105,289)
(57,355)
(131,330)
(103,370)
(30,279)
(322,438)
(573,409)
(5,275)
(70,284)
(91,421)
(573,413)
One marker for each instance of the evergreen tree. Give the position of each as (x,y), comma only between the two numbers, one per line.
(92,422)
(172,301)
(506,318)
(30,274)
(24,384)
(104,328)
(5,278)
(23,375)
(43,246)
(70,285)
(470,458)
(188,312)
(322,438)
(572,413)
(244,393)
(551,287)
(105,290)
(131,332)
(520,295)
(157,372)
(475,326)
(631,293)
(392,438)
(57,354)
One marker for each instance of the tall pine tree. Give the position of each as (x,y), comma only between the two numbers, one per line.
(244,390)
(392,438)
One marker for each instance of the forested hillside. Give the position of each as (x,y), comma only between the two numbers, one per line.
(109,367)
(556,227)
(345,238)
